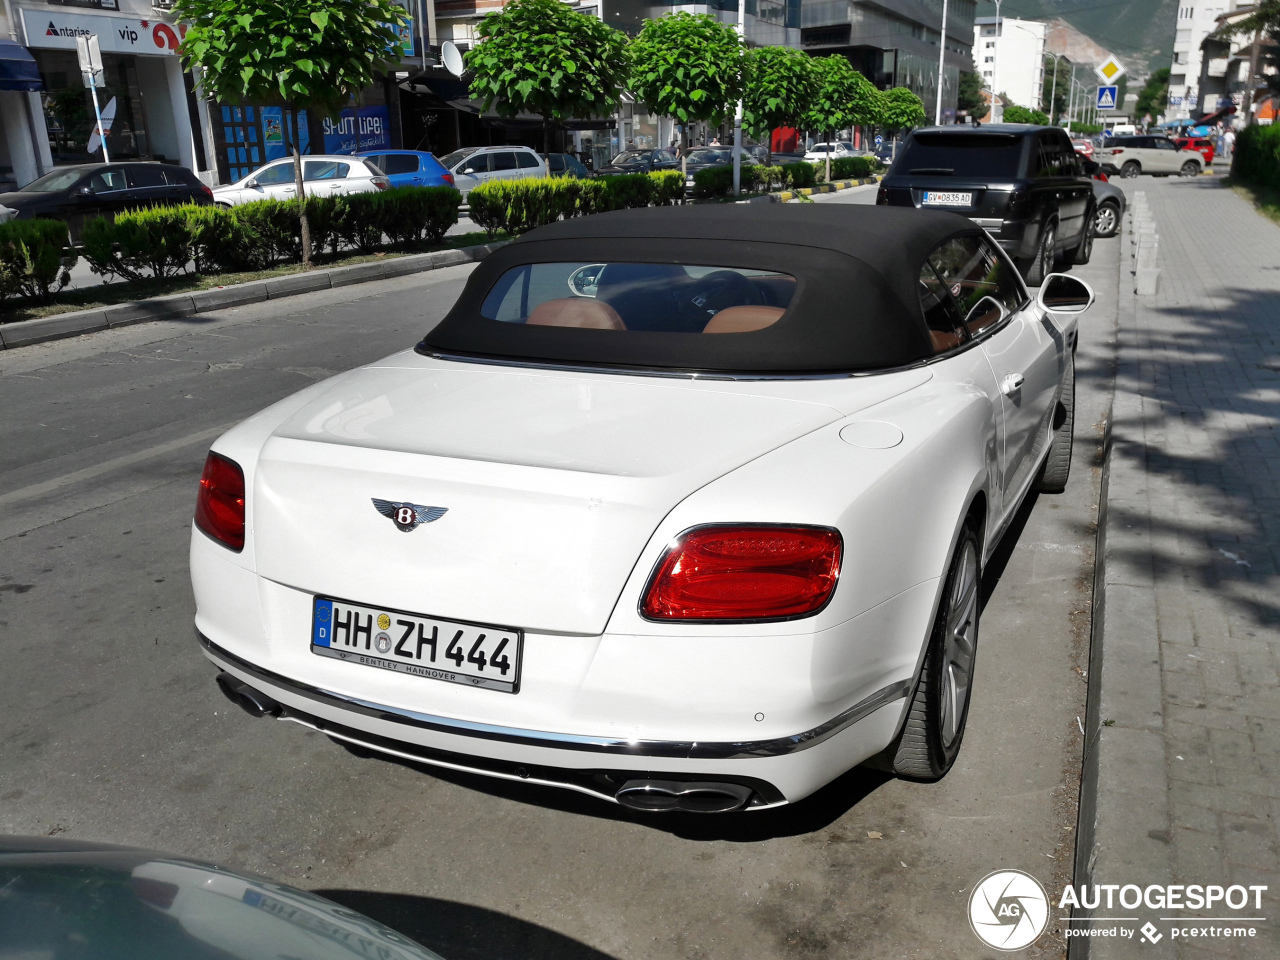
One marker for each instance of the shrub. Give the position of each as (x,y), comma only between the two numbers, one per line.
(154,239)
(624,192)
(357,221)
(219,242)
(35,258)
(1257,156)
(274,227)
(668,187)
(851,168)
(799,174)
(486,209)
(714,182)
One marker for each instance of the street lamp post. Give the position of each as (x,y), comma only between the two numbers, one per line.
(942,56)
(741,30)
(1053,91)
(995,69)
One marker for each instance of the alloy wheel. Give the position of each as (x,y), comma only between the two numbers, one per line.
(959,644)
(1105,223)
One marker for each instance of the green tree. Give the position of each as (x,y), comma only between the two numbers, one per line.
(844,97)
(1016,114)
(311,54)
(1057,91)
(969,97)
(687,67)
(543,57)
(1154,95)
(780,86)
(899,109)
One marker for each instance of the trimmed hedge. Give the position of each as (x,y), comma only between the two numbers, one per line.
(1257,155)
(163,241)
(718,181)
(852,168)
(35,259)
(517,206)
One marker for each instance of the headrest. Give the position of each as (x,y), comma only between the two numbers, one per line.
(581,312)
(743,319)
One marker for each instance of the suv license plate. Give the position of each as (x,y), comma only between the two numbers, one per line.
(473,654)
(943,198)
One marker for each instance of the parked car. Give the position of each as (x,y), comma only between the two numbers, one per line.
(566,165)
(1201,145)
(1084,147)
(1156,155)
(472,166)
(70,898)
(77,193)
(409,168)
(323,176)
(704,158)
(820,151)
(1025,184)
(640,161)
(723,578)
(1109,206)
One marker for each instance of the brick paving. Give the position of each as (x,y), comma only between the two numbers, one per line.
(1192,602)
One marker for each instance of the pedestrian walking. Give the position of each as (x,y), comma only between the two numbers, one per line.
(1229,143)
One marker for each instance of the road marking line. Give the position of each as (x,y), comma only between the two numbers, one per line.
(107,466)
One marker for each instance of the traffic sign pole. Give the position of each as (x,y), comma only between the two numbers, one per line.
(89,53)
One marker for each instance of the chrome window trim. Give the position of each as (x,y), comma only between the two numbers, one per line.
(690,750)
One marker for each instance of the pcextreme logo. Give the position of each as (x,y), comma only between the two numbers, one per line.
(1009,910)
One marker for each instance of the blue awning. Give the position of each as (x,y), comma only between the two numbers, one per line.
(18,70)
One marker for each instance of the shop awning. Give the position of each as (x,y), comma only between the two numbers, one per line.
(454,92)
(18,70)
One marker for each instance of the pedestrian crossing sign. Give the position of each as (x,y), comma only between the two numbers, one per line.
(1107,97)
(1110,70)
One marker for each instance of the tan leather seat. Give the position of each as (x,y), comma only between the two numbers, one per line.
(942,341)
(743,319)
(581,312)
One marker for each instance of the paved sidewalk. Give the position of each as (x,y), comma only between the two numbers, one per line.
(1187,727)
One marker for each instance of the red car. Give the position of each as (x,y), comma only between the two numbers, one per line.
(1083,147)
(1201,145)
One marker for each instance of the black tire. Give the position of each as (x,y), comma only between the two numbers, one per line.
(1056,468)
(1106,223)
(1189,169)
(931,737)
(1041,265)
(1084,249)
(1131,169)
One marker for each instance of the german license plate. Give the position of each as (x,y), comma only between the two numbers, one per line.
(946,198)
(473,654)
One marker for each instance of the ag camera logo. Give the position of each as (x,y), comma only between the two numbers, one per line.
(1008,909)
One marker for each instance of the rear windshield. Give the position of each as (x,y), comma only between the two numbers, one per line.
(621,297)
(457,156)
(986,156)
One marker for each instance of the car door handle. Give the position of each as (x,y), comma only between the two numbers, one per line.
(1012,384)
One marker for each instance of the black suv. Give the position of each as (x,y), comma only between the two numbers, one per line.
(1025,184)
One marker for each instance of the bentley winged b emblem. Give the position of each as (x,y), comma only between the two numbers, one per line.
(407,516)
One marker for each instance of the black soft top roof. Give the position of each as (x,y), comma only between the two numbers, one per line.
(856,306)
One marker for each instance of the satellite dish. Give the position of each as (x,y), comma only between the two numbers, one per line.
(452,58)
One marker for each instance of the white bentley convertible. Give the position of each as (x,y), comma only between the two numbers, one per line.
(683,508)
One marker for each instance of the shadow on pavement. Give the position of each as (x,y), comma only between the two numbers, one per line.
(459,931)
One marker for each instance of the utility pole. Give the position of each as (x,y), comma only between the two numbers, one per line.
(995,70)
(741,29)
(942,56)
(1053,90)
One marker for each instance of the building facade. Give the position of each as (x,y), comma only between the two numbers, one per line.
(895,45)
(1009,53)
(1226,70)
(1194,24)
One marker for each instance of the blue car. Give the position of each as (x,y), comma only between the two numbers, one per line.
(409,168)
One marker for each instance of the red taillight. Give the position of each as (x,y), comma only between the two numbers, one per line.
(381,183)
(447,178)
(1116,150)
(882,196)
(206,191)
(220,503)
(735,572)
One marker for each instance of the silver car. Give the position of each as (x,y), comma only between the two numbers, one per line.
(472,166)
(323,176)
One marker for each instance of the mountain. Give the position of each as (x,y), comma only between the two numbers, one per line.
(1138,32)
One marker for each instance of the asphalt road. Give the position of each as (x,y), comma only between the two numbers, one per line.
(111,727)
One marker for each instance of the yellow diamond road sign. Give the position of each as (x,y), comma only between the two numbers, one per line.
(1109,69)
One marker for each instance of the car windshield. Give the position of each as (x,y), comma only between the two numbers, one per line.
(457,156)
(987,156)
(625,297)
(53,182)
(821,148)
(712,155)
(632,156)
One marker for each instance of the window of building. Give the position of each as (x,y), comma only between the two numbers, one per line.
(984,60)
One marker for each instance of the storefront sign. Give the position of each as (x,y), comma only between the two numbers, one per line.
(367,129)
(95,4)
(273,132)
(115,34)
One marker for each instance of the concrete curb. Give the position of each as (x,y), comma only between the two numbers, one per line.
(179,305)
(1121,834)
(833,187)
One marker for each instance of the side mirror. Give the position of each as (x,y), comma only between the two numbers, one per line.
(252,182)
(85,191)
(1061,293)
(1091,167)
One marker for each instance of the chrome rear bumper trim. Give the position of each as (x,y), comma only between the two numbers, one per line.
(671,749)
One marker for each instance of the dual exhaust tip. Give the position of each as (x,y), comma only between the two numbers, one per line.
(649,796)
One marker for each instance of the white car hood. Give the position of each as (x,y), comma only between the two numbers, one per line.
(553,482)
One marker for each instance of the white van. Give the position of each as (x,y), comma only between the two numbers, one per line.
(472,166)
